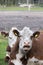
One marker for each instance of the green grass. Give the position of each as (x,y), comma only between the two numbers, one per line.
(12,8)
(3,45)
(15,8)
(37,9)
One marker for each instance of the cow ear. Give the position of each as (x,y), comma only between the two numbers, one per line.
(36,34)
(16,32)
(5,34)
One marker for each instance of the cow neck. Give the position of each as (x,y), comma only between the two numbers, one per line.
(25,58)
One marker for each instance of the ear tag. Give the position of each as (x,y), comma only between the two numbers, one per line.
(15,34)
(36,36)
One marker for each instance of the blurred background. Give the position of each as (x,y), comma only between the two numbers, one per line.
(26,4)
(20,2)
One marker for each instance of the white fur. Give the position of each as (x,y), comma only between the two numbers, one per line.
(17,60)
(25,37)
(19,55)
(12,38)
(40,62)
(33,59)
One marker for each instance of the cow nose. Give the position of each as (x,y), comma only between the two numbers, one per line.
(26,43)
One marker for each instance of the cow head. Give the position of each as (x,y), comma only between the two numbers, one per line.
(25,42)
(26,39)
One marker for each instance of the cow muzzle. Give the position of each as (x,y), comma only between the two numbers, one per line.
(26,47)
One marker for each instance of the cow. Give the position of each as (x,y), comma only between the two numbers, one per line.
(18,52)
(29,48)
(12,35)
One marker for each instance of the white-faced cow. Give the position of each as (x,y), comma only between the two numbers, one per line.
(12,38)
(29,48)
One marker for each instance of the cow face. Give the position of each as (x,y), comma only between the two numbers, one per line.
(13,34)
(25,41)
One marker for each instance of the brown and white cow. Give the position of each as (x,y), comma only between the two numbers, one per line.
(18,52)
(12,35)
(29,49)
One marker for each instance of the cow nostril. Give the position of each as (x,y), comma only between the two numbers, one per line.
(26,42)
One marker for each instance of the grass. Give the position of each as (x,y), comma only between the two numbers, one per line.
(37,9)
(3,45)
(12,8)
(15,8)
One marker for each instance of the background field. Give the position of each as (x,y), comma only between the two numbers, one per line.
(15,8)
(3,45)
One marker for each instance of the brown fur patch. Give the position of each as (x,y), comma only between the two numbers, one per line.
(37,47)
(7,59)
(10,63)
(8,48)
(14,50)
(24,60)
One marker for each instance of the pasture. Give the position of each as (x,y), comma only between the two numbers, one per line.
(3,44)
(15,8)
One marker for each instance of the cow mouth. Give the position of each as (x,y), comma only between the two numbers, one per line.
(26,48)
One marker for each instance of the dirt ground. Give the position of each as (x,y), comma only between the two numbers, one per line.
(9,19)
